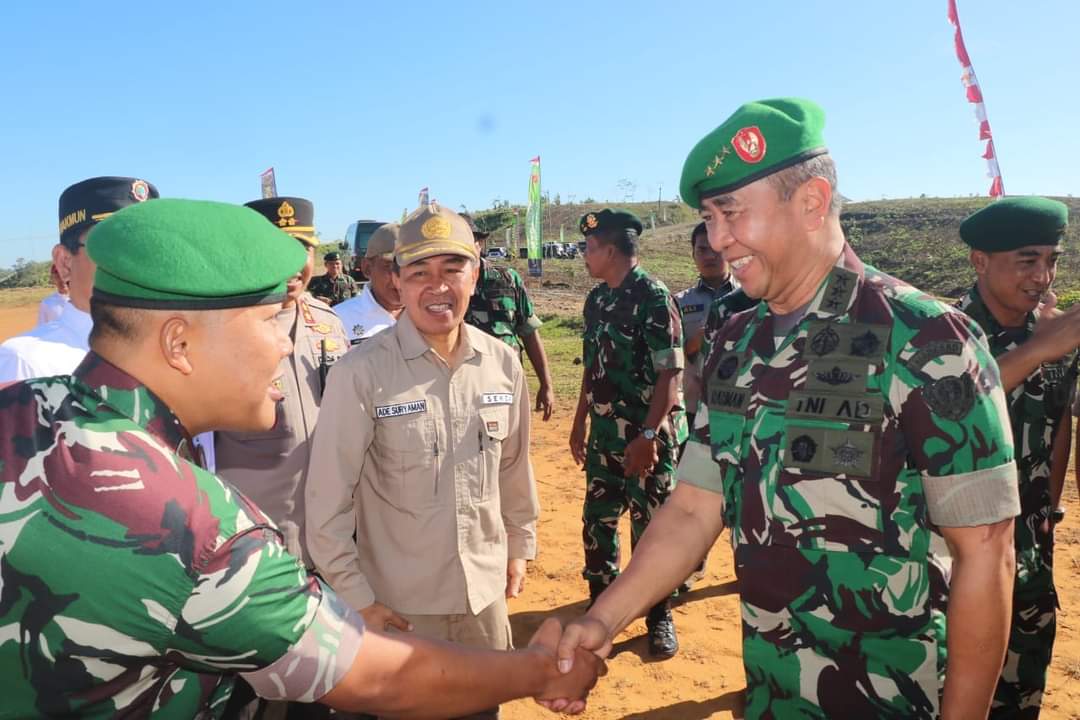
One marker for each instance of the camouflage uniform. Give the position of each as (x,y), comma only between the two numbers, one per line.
(501,307)
(823,443)
(1036,407)
(333,290)
(133,582)
(632,333)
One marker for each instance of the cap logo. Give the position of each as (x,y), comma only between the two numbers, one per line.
(140,191)
(285,214)
(436,228)
(590,221)
(717,161)
(749,144)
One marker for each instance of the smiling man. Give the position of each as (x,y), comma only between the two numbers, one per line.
(851,428)
(422,450)
(1015,245)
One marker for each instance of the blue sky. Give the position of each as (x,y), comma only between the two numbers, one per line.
(359,104)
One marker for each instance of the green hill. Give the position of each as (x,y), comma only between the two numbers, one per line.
(915,239)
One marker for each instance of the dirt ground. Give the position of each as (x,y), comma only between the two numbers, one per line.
(705,680)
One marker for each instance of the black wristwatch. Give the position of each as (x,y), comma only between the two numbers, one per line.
(1057,515)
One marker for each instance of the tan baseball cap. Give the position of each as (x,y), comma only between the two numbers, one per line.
(382,242)
(433,230)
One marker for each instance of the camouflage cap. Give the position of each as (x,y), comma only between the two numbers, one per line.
(382,242)
(759,139)
(191,255)
(433,230)
(1015,222)
(609,219)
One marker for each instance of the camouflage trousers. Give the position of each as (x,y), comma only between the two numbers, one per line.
(1019,691)
(609,494)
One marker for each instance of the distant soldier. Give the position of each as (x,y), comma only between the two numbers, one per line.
(335,286)
(378,305)
(714,282)
(631,396)
(57,347)
(52,306)
(501,307)
(1015,245)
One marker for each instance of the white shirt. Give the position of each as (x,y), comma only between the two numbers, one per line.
(51,308)
(363,316)
(55,348)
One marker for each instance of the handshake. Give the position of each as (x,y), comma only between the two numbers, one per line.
(574,658)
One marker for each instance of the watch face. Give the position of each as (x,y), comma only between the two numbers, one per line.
(649,434)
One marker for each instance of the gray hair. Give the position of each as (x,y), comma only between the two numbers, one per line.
(788,180)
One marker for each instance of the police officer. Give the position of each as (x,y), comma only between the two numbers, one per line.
(501,307)
(271,467)
(714,282)
(853,427)
(631,396)
(141,583)
(334,286)
(57,347)
(1015,245)
(378,305)
(422,450)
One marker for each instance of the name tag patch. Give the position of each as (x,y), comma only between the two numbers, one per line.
(691,309)
(497,398)
(399,409)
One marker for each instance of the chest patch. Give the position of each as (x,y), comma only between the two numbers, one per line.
(497,399)
(397,410)
(691,309)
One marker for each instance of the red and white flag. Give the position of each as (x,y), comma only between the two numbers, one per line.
(975,97)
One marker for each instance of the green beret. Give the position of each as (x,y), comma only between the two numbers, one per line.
(608,219)
(191,255)
(760,138)
(1015,222)
(331,256)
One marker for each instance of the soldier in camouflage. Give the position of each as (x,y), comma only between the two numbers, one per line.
(631,396)
(1015,245)
(134,583)
(334,286)
(501,307)
(854,437)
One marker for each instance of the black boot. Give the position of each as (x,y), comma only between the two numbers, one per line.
(595,588)
(663,642)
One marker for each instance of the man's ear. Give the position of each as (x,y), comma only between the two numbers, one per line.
(815,197)
(61,258)
(980,261)
(174,336)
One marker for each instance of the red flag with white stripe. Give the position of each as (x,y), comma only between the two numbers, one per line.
(975,96)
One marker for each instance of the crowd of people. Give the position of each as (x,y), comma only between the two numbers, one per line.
(230,490)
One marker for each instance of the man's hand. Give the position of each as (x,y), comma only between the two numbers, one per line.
(565,689)
(379,617)
(545,400)
(641,457)
(1060,330)
(577,443)
(515,577)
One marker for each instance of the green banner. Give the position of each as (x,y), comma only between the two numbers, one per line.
(533,221)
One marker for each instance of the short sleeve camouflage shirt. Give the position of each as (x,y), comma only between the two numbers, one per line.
(821,442)
(632,333)
(132,581)
(501,307)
